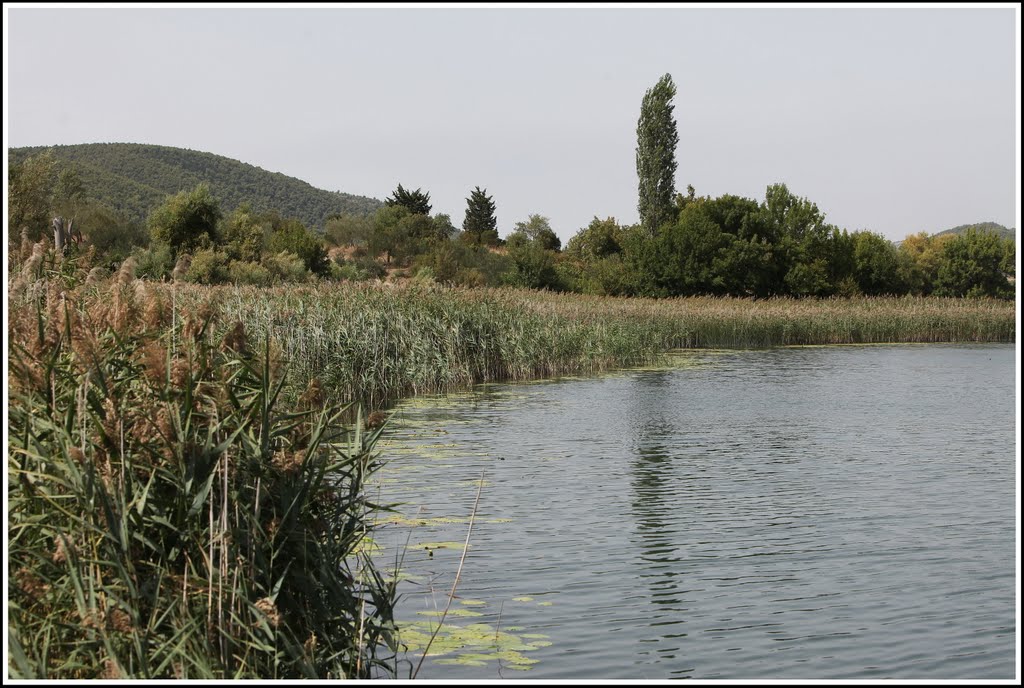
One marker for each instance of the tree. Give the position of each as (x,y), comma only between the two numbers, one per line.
(444,230)
(245,234)
(537,229)
(416,201)
(186,221)
(348,230)
(30,186)
(480,227)
(971,265)
(598,239)
(876,264)
(656,155)
(291,236)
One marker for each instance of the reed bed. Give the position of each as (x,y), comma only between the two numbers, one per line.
(177,510)
(375,344)
(168,516)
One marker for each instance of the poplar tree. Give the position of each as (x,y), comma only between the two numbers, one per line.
(656,155)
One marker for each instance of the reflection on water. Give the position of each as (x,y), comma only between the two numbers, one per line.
(833,512)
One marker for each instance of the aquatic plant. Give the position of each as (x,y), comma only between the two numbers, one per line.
(376,344)
(168,516)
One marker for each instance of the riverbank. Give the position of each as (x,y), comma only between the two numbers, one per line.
(161,433)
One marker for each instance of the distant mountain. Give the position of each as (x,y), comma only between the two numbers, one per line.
(1003,232)
(133,178)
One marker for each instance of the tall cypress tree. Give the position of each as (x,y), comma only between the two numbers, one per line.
(656,155)
(480,225)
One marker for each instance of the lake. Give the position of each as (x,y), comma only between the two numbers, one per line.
(843,512)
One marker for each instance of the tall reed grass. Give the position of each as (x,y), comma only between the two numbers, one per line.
(168,517)
(375,344)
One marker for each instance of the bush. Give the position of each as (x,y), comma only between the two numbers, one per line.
(243,272)
(155,262)
(286,266)
(209,266)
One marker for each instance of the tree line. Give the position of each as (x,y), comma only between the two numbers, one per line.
(683,245)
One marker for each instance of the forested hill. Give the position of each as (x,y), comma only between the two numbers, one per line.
(1003,232)
(133,178)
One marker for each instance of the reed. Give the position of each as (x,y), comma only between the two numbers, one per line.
(374,344)
(168,516)
(176,508)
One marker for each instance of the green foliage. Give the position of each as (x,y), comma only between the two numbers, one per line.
(417,202)
(994,227)
(461,264)
(249,273)
(154,262)
(135,178)
(113,235)
(399,234)
(480,226)
(598,239)
(244,234)
(657,139)
(537,229)
(876,265)
(349,230)
(972,266)
(292,237)
(186,221)
(534,266)
(208,266)
(30,185)
(286,267)
(443,229)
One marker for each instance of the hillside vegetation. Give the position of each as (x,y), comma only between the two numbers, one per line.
(134,178)
(994,227)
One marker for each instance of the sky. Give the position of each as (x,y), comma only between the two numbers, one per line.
(895,120)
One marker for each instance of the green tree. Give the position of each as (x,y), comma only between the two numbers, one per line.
(291,236)
(876,264)
(537,229)
(416,201)
(971,265)
(444,230)
(480,226)
(348,230)
(598,239)
(245,234)
(186,221)
(657,139)
(113,235)
(30,186)
(400,234)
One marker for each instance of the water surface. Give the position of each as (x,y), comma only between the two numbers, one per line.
(797,513)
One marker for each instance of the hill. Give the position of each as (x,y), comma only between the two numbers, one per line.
(133,178)
(1003,232)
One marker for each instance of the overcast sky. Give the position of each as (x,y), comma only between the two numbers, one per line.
(893,120)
